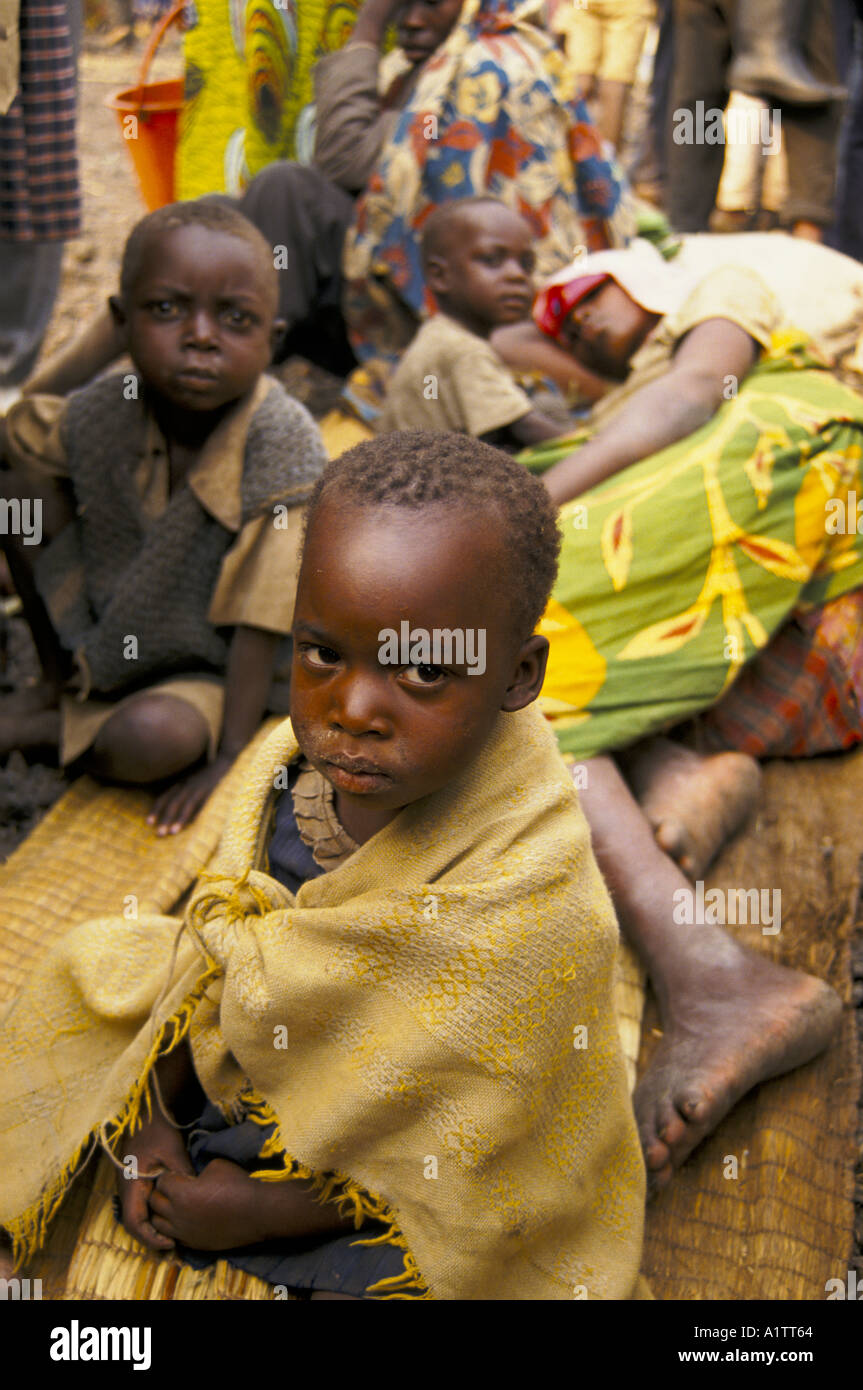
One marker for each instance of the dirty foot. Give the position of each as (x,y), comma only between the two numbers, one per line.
(731,1020)
(695,804)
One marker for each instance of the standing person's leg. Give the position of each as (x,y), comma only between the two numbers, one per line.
(624,27)
(30,269)
(768,59)
(702,48)
(650,171)
(738,198)
(848,229)
(305,217)
(812,136)
(29,280)
(582,30)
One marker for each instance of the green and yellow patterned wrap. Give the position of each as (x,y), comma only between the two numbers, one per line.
(248,95)
(678,570)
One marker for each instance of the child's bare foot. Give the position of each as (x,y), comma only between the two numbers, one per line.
(694,803)
(221,1209)
(732,1020)
(156,1148)
(225,1207)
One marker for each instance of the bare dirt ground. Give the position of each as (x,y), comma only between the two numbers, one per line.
(112,204)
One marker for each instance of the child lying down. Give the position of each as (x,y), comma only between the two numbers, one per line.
(388,1011)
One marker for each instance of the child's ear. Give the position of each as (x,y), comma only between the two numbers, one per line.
(528,675)
(118,313)
(437,275)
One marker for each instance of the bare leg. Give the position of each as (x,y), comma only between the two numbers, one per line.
(56,511)
(155,737)
(586,84)
(730,1018)
(695,804)
(29,719)
(611,102)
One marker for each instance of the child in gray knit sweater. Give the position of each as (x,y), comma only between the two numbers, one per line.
(158,569)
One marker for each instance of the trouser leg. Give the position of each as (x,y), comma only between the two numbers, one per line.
(702,49)
(652,163)
(29,280)
(812,133)
(848,231)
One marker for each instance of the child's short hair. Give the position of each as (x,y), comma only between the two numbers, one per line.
(214,212)
(419,468)
(440,224)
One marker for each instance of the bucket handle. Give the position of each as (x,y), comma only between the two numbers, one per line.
(156,37)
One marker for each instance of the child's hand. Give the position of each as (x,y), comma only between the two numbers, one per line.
(222,1209)
(158,1146)
(179,805)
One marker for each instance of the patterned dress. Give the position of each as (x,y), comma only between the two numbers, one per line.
(494,111)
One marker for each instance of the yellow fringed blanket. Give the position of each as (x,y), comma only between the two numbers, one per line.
(447,994)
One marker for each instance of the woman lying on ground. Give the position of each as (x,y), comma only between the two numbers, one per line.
(705,571)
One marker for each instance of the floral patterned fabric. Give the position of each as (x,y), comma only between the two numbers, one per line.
(677,571)
(493,111)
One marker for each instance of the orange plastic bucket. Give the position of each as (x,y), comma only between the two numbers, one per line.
(151,136)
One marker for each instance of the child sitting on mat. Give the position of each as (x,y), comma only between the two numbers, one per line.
(169,498)
(394,984)
(478,261)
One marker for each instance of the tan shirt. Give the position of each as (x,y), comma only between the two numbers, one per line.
(352,122)
(258,578)
(449,379)
(731,292)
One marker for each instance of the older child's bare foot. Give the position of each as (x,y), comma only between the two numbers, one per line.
(694,803)
(732,1020)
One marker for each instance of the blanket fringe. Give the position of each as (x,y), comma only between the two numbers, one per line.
(28,1231)
(346,1195)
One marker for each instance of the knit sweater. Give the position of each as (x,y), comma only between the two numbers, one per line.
(153,579)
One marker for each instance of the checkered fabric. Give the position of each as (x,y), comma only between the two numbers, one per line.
(39,194)
(802,695)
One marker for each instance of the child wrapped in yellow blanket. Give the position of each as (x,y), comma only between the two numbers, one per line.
(391,995)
